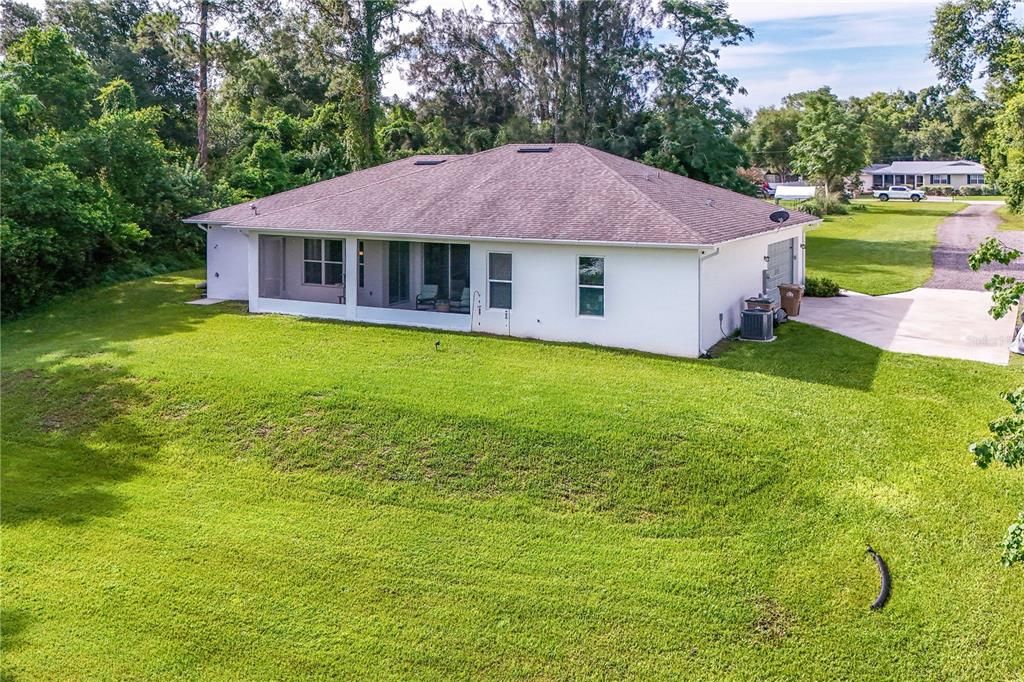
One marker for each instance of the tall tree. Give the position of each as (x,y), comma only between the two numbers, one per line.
(582,62)
(362,38)
(184,27)
(973,35)
(16,18)
(769,137)
(982,35)
(830,147)
(692,118)
(971,117)
(44,64)
(463,69)
(106,32)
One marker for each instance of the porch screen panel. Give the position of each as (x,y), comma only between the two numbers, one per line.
(459,260)
(398,272)
(435,267)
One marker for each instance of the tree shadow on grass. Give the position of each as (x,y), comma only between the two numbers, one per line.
(805,353)
(69,438)
(12,624)
(80,324)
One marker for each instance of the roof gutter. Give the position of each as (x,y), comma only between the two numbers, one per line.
(701,257)
(520,240)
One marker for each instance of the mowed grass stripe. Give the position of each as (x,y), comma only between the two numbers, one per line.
(198,492)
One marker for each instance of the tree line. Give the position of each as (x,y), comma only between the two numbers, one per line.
(119,117)
(817,135)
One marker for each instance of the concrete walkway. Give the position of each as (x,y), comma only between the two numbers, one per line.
(958,237)
(945,323)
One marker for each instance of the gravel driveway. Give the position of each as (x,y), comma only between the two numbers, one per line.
(958,236)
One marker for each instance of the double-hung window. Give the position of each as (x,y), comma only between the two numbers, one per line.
(323,261)
(940,179)
(499,280)
(590,285)
(975,179)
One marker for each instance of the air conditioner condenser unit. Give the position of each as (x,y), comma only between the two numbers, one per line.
(757,325)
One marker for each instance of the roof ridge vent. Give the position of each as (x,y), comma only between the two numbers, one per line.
(428,162)
(534,150)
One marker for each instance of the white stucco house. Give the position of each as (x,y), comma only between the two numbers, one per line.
(955,174)
(558,242)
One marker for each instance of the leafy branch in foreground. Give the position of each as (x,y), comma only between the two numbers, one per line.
(1013,543)
(1006,290)
(1007,446)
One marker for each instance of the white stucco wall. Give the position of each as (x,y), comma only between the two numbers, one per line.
(650,296)
(734,274)
(227,264)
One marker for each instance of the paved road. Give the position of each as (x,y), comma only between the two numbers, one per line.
(959,235)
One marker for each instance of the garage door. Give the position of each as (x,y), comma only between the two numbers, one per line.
(780,268)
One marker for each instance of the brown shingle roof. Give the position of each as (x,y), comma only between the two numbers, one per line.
(572,193)
(318,190)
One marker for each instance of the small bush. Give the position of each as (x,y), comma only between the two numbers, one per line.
(938,190)
(978,190)
(820,287)
(822,205)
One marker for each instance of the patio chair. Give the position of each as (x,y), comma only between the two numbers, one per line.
(463,304)
(427,296)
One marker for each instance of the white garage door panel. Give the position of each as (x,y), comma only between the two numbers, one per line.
(780,268)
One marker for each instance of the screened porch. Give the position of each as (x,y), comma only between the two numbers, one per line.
(405,282)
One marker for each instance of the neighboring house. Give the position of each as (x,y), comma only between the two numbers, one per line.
(915,174)
(558,242)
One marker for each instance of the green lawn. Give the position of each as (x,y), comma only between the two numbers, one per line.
(194,492)
(986,197)
(1011,221)
(883,249)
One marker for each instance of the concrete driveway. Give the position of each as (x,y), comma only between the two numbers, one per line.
(948,317)
(945,323)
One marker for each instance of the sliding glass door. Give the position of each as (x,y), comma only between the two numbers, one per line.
(447,266)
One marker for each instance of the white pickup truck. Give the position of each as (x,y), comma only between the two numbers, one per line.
(898,192)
